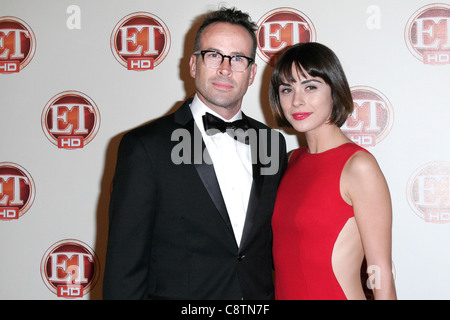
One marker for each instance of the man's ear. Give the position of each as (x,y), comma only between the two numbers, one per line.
(252,76)
(193,65)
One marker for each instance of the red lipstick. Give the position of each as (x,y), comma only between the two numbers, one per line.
(301,115)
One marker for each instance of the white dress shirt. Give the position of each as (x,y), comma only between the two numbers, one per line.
(232,165)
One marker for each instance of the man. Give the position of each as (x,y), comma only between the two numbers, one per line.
(181,227)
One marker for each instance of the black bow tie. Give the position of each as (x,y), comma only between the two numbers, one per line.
(212,122)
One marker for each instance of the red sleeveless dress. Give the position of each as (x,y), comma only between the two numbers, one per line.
(308,216)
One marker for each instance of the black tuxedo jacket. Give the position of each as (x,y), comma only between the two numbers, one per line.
(170,236)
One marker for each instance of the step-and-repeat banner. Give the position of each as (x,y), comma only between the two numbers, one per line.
(76,75)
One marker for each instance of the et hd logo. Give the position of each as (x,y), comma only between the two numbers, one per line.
(428,192)
(17,45)
(140,41)
(70,120)
(17,191)
(427,34)
(372,118)
(70,268)
(281,28)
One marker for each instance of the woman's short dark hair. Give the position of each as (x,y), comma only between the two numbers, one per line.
(229,15)
(316,60)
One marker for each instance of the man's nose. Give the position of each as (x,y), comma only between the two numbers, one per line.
(225,67)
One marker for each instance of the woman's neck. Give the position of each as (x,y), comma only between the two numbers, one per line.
(328,138)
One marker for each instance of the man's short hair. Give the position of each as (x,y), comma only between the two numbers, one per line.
(228,15)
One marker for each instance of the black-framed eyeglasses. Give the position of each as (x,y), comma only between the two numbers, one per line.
(214,59)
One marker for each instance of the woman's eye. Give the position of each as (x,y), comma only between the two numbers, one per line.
(285,90)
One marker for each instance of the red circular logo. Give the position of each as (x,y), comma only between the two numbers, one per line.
(17,44)
(70,120)
(17,191)
(372,117)
(281,28)
(70,268)
(140,41)
(427,34)
(429,192)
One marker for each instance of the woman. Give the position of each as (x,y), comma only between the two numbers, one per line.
(333,205)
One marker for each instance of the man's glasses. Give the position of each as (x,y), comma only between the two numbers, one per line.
(214,59)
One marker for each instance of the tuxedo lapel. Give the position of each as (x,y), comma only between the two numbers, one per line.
(209,179)
(183,116)
(255,195)
(255,192)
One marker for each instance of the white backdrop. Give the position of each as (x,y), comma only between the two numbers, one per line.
(54,201)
